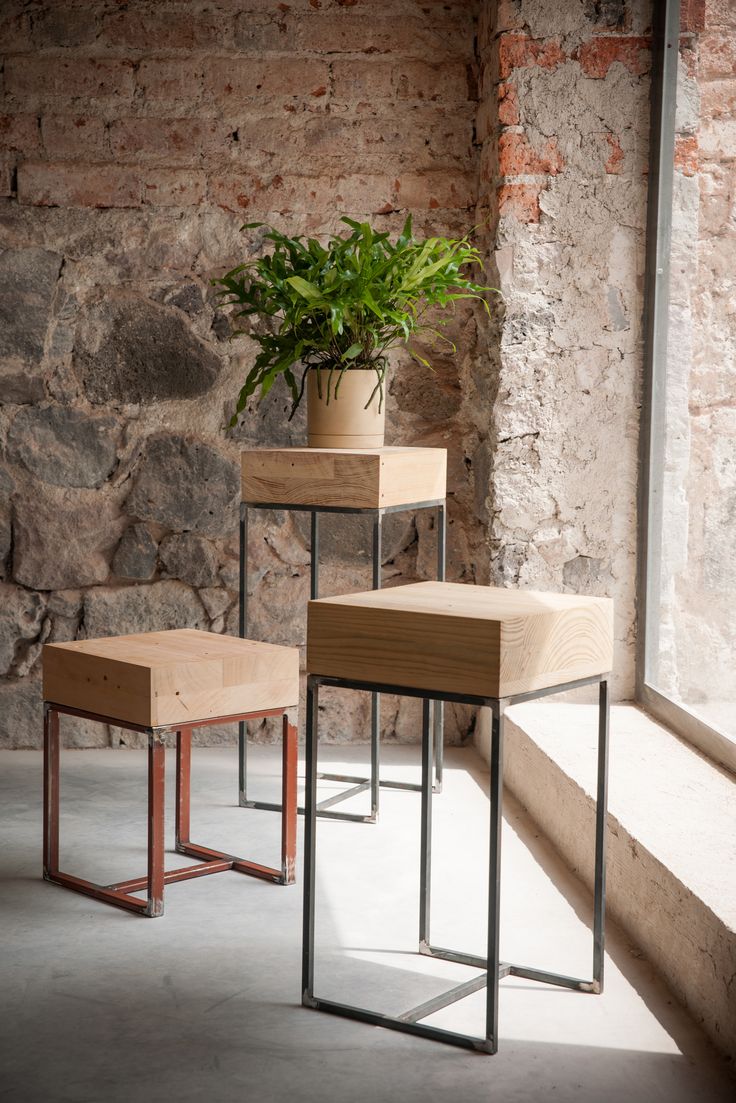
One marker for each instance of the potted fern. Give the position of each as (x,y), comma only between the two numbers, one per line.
(332,314)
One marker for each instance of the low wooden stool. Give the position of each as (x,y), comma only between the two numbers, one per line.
(159,682)
(475,645)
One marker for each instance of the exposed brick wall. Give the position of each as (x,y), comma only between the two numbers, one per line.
(135,139)
(564,121)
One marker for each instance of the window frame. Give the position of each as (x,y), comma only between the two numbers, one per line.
(684,722)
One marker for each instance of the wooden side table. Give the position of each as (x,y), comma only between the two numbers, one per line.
(159,683)
(367,481)
(480,646)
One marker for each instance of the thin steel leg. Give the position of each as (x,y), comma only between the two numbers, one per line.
(425,857)
(314,558)
(438,716)
(288,802)
(375,697)
(310,840)
(600,838)
(494,879)
(183,787)
(50,792)
(156,790)
(242,629)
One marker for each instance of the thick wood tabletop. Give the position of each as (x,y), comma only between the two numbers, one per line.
(479,641)
(350,478)
(159,678)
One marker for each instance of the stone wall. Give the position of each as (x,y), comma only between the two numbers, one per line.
(564,121)
(135,139)
(697,628)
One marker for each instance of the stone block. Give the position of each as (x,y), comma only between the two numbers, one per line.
(185,484)
(136,554)
(21,713)
(63,538)
(216,601)
(65,446)
(190,558)
(21,617)
(132,350)
(27,282)
(132,609)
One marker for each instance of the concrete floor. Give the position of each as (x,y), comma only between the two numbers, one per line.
(203,1005)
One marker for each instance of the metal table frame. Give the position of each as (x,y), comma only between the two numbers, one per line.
(356,784)
(492,967)
(156,877)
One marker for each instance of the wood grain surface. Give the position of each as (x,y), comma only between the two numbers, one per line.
(355,478)
(476,640)
(158,678)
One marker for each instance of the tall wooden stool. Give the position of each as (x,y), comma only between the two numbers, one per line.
(159,682)
(480,646)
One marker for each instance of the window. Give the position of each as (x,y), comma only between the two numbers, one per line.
(688,660)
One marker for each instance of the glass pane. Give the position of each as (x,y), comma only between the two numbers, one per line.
(692,648)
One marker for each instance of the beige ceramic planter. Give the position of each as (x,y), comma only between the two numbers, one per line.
(344,422)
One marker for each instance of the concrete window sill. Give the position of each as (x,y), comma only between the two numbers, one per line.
(671,849)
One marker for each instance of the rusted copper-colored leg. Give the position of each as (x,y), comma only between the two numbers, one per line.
(156,791)
(50,792)
(183,786)
(288,803)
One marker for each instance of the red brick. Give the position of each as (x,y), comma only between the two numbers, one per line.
(234,192)
(70,137)
(485,120)
(412,80)
(516,157)
(718,100)
(173,188)
(19,134)
(614,162)
(519,51)
(598,54)
(367,33)
(170,142)
(508,105)
(427,139)
(686,154)
(60,185)
(145,28)
(692,16)
(720,13)
(15,33)
(251,195)
(717,55)
(57,80)
(519,201)
(170,81)
(61,25)
(436,190)
(7,174)
(229,83)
